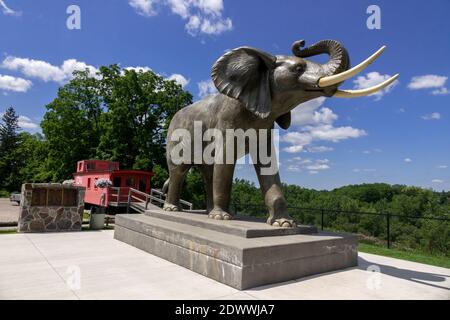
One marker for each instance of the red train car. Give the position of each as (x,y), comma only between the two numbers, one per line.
(89,171)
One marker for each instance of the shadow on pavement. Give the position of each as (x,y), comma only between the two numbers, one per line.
(406,274)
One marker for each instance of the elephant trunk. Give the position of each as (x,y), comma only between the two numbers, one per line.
(339,59)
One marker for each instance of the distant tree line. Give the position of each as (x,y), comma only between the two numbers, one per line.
(123,115)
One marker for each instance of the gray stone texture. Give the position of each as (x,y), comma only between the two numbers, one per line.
(232,258)
(63,212)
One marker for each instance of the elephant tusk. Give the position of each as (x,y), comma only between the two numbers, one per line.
(364,92)
(331,80)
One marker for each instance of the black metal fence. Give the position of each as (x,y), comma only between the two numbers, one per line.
(326,218)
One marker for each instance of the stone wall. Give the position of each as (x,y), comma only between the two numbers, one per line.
(51,207)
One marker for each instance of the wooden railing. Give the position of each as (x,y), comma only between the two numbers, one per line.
(118,195)
(161,195)
(139,200)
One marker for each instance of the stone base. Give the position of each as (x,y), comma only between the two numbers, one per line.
(224,251)
(51,207)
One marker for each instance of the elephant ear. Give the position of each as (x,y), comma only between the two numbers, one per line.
(284,121)
(244,74)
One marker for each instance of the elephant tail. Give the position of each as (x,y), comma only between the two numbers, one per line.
(165,187)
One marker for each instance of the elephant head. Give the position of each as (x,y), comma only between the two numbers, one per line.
(271,86)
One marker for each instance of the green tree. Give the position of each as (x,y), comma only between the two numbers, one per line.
(140,106)
(160,175)
(72,125)
(33,151)
(9,143)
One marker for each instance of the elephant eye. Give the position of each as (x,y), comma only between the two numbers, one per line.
(299,68)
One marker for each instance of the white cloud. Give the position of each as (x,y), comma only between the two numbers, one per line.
(201,16)
(24,122)
(211,27)
(329,133)
(437,181)
(430,81)
(318,166)
(71,65)
(432,116)
(143,7)
(364,170)
(7,10)
(294,149)
(180,79)
(297,138)
(316,124)
(375,150)
(314,166)
(319,149)
(205,88)
(9,83)
(27,123)
(294,168)
(307,114)
(440,92)
(442,166)
(45,71)
(371,79)
(427,81)
(407,160)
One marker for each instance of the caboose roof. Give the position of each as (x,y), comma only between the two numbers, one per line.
(114,172)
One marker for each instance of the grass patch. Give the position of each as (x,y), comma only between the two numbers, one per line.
(415,256)
(86,215)
(4,194)
(8,231)
(87,228)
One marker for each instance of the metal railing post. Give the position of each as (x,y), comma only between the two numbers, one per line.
(388,230)
(321,222)
(129,201)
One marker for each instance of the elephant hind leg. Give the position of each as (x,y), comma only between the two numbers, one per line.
(222,183)
(176,176)
(207,172)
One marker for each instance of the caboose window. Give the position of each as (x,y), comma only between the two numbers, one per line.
(129,182)
(89,183)
(90,165)
(117,182)
(142,184)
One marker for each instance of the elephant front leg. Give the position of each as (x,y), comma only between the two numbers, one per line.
(222,183)
(274,199)
(177,174)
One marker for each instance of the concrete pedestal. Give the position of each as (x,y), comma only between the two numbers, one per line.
(242,253)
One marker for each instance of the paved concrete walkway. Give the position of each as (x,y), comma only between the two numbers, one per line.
(45,266)
(9,211)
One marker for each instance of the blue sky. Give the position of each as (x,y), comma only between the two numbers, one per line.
(399,136)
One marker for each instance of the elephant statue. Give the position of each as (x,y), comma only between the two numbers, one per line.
(255,90)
